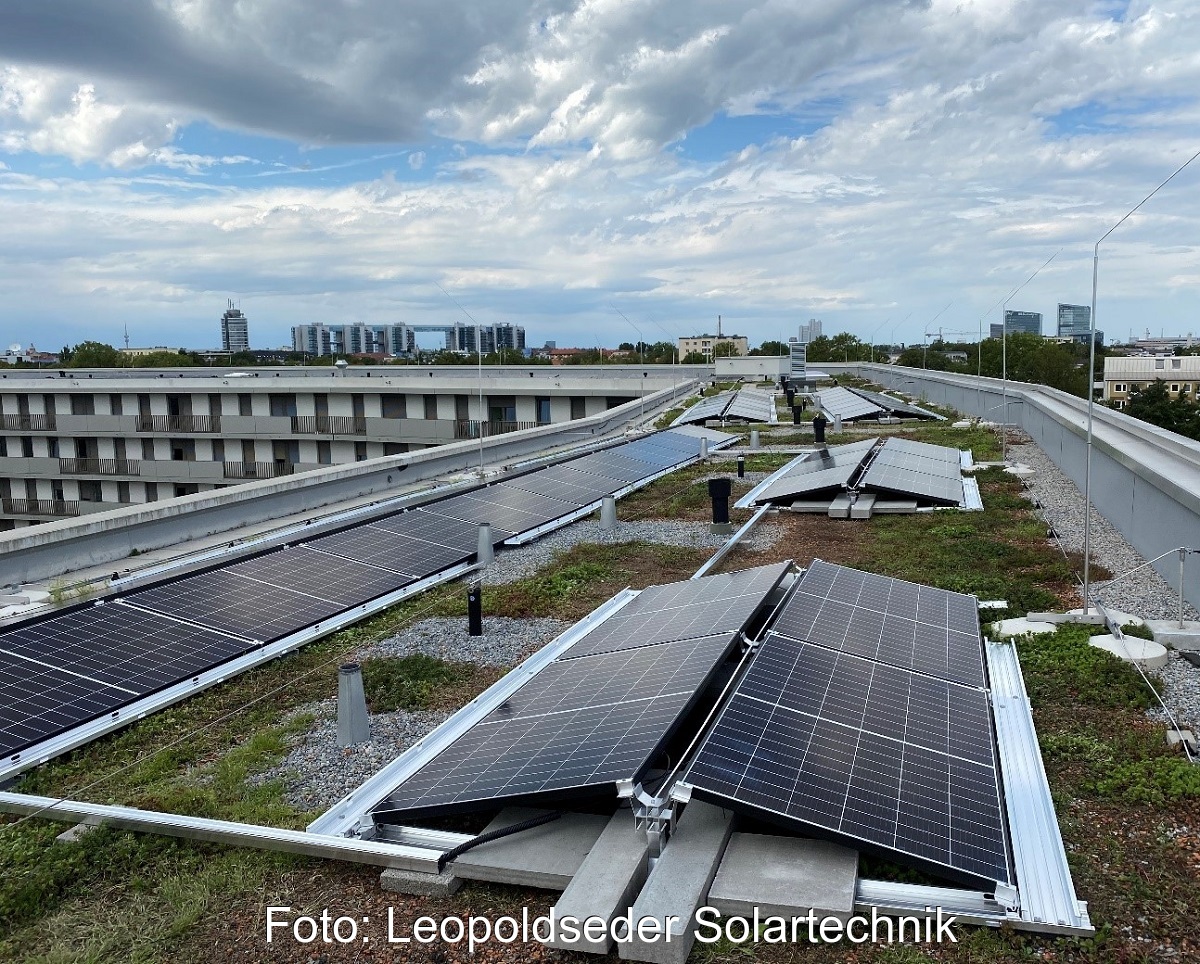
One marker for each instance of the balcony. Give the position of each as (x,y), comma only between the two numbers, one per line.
(28,423)
(176,424)
(470,429)
(258,470)
(328,425)
(58,507)
(100,466)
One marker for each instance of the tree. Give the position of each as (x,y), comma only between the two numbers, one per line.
(724,349)
(94,354)
(772,349)
(626,346)
(694,358)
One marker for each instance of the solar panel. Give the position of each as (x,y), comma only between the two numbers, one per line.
(557,734)
(703,410)
(695,607)
(839,402)
(929,471)
(561,486)
(430,526)
(379,547)
(752,405)
(896,406)
(502,508)
(816,738)
(828,468)
(57,673)
(341,581)
(904,624)
(235,604)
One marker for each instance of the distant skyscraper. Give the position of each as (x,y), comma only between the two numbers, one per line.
(235,332)
(1023,322)
(1075,322)
(811,331)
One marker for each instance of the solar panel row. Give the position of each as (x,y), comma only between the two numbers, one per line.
(844,404)
(864,714)
(895,406)
(65,670)
(915,468)
(824,469)
(601,710)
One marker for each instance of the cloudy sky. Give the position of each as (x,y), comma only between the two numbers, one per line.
(859,161)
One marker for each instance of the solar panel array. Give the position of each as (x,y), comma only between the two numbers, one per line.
(597,714)
(852,721)
(752,405)
(828,468)
(896,406)
(64,670)
(749,404)
(843,403)
(929,471)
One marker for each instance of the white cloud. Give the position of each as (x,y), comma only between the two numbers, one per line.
(940,176)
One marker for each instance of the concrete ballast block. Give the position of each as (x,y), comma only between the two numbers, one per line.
(418,883)
(546,856)
(607,881)
(678,884)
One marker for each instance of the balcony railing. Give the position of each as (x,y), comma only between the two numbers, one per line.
(29,423)
(179,423)
(39,507)
(258,470)
(470,429)
(100,466)
(329,425)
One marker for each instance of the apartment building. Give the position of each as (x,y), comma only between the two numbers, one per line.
(74,442)
(1125,375)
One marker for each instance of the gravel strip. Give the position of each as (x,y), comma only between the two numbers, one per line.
(513,564)
(317,772)
(1145,593)
(505,642)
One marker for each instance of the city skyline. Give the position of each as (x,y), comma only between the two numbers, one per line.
(555,167)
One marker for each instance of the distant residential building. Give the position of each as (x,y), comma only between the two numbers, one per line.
(1023,322)
(28,356)
(1075,322)
(811,331)
(706,344)
(235,331)
(135,352)
(1125,375)
(314,339)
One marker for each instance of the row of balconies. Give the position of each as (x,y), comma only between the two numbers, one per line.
(425,431)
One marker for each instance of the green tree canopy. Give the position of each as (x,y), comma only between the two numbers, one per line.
(94,354)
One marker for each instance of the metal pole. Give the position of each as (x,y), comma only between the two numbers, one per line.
(1182,556)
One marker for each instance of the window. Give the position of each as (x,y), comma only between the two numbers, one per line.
(462,408)
(324,453)
(83,404)
(1175,389)
(431,406)
(360,451)
(151,491)
(148,449)
(394,448)
(123,492)
(52,447)
(394,406)
(1120,387)
(1176,362)
(1160,363)
(115,404)
(3,447)
(245,406)
(543,410)
(48,402)
(214,403)
(89,491)
(283,406)
(26,447)
(502,408)
(578,406)
(218,450)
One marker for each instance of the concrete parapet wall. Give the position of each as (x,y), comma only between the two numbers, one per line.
(1145,480)
(43,551)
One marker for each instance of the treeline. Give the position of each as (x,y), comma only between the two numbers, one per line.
(1154,404)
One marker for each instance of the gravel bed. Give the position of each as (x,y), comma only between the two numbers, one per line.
(317,773)
(505,642)
(1145,593)
(513,564)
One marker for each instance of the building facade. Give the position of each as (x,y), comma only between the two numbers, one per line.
(706,345)
(1123,376)
(1023,322)
(235,330)
(74,442)
(1075,322)
(811,331)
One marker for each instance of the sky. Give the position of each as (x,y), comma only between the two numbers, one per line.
(891,167)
